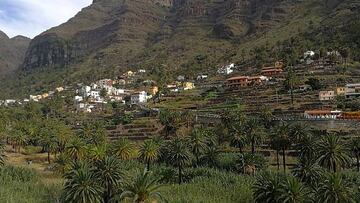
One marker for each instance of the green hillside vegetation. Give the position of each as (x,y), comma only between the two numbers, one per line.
(243,159)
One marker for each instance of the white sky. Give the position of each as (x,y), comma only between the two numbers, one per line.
(32,17)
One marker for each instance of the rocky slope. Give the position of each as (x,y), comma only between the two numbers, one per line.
(175,36)
(117,31)
(12,52)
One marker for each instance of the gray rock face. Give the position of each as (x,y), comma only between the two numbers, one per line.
(12,52)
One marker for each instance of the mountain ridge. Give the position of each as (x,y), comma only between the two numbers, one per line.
(170,37)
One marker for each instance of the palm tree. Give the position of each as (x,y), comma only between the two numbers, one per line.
(76,148)
(145,187)
(2,155)
(267,187)
(124,149)
(178,154)
(293,191)
(247,163)
(308,172)
(266,116)
(62,163)
(49,142)
(254,132)
(332,152)
(355,149)
(275,145)
(108,170)
(283,140)
(197,144)
(238,138)
(335,190)
(210,156)
(149,152)
(98,152)
(306,146)
(81,185)
(290,83)
(168,119)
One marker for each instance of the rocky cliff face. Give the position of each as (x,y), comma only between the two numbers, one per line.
(120,30)
(104,24)
(12,52)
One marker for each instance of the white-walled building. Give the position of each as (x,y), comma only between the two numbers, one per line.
(326,95)
(309,54)
(226,70)
(139,97)
(79,99)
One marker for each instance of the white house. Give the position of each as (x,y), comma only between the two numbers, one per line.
(84,91)
(139,97)
(9,102)
(333,53)
(142,71)
(78,99)
(201,77)
(326,95)
(352,90)
(309,54)
(226,70)
(105,83)
(181,78)
(95,94)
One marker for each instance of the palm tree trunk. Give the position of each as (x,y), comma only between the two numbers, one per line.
(277,160)
(334,166)
(284,160)
(252,146)
(180,175)
(107,195)
(48,157)
(292,95)
(240,150)
(148,166)
(358,162)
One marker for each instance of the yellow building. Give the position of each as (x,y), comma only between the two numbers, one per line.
(130,73)
(188,85)
(45,95)
(340,91)
(154,90)
(59,89)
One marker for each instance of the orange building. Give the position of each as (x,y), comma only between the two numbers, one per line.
(243,81)
(271,72)
(238,81)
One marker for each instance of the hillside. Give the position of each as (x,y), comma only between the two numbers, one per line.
(170,37)
(12,52)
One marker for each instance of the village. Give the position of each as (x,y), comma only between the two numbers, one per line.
(255,88)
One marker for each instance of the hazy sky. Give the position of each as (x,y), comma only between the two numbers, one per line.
(32,17)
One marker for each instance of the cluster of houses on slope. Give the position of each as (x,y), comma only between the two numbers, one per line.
(267,73)
(349,91)
(88,97)
(35,98)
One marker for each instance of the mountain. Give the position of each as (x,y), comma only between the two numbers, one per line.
(12,52)
(170,37)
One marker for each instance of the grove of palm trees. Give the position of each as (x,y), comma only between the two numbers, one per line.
(243,159)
